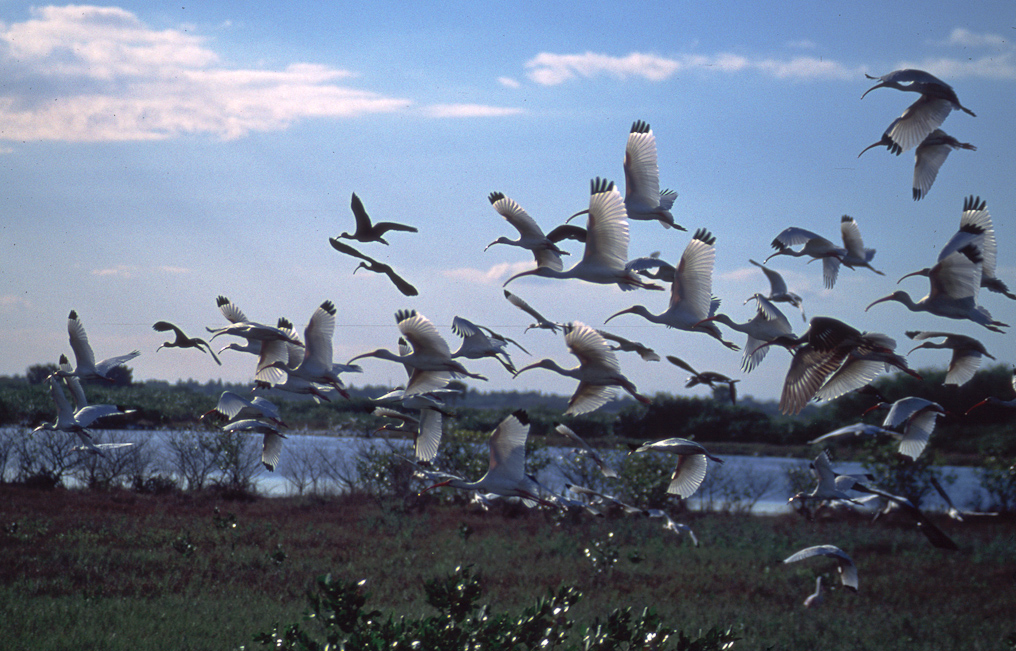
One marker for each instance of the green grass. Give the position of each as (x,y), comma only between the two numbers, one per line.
(85,570)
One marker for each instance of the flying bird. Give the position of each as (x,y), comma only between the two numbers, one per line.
(598,371)
(855,430)
(708,378)
(370,264)
(916,417)
(506,474)
(182,340)
(236,407)
(531,236)
(368,232)
(642,196)
(541,321)
(271,440)
(835,357)
(479,342)
(86,367)
(692,461)
(955,281)
(975,228)
(845,566)
(426,429)
(857,255)
(76,422)
(430,357)
(927,113)
(316,365)
(586,450)
(629,346)
(928,158)
(606,252)
(966,353)
(815,246)
(778,292)
(767,324)
(691,299)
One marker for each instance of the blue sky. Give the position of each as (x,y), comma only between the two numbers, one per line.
(156,156)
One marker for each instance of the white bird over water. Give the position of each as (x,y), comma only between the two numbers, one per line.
(506,474)
(606,252)
(75,422)
(692,461)
(586,450)
(917,417)
(598,371)
(85,365)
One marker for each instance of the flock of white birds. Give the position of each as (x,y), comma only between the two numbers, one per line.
(829,360)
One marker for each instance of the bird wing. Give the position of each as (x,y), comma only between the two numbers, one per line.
(847,568)
(517,217)
(677,361)
(688,475)
(962,366)
(693,282)
(525,307)
(641,170)
(271,449)
(928,158)
(508,447)
(976,217)
(852,374)
(423,336)
(852,237)
(958,275)
(363,225)
(548,258)
(793,236)
(808,371)
(589,397)
(830,268)
(567,232)
(425,381)
(166,326)
(229,310)
(919,120)
(429,436)
(591,349)
(400,283)
(230,404)
(606,228)
(776,283)
(83,355)
(342,247)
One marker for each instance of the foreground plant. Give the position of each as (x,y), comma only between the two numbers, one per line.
(338,610)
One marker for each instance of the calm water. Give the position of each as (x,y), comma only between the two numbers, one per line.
(766,475)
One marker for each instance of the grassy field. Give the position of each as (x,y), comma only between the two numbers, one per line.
(85,570)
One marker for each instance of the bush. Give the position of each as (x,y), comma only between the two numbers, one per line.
(461,623)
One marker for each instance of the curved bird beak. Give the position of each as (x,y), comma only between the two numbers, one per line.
(581,212)
(878,85)
(881,300)
(924,345)
(876,144)
(630,310)
(920,272)
(531,272)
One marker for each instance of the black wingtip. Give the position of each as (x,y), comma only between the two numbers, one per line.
(328,307)
(402,315)
(495,197)
(705,236)
(599,185)
(73,316)
(640,126)
(221,300)
(974,203)
(522,415)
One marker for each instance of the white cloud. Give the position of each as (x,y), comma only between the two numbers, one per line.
(965,38)
(494,275)
(85,73)
(11,301)
(119,271)
(468,111)
(174,270)
(509,82)
(551,69)
(802,44)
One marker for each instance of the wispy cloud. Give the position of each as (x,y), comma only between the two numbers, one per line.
(119,271)
(509,82)
(469,111)
(551,69)
(491,276)
(174,270)
(85,73)
(12,301)
(997,63)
